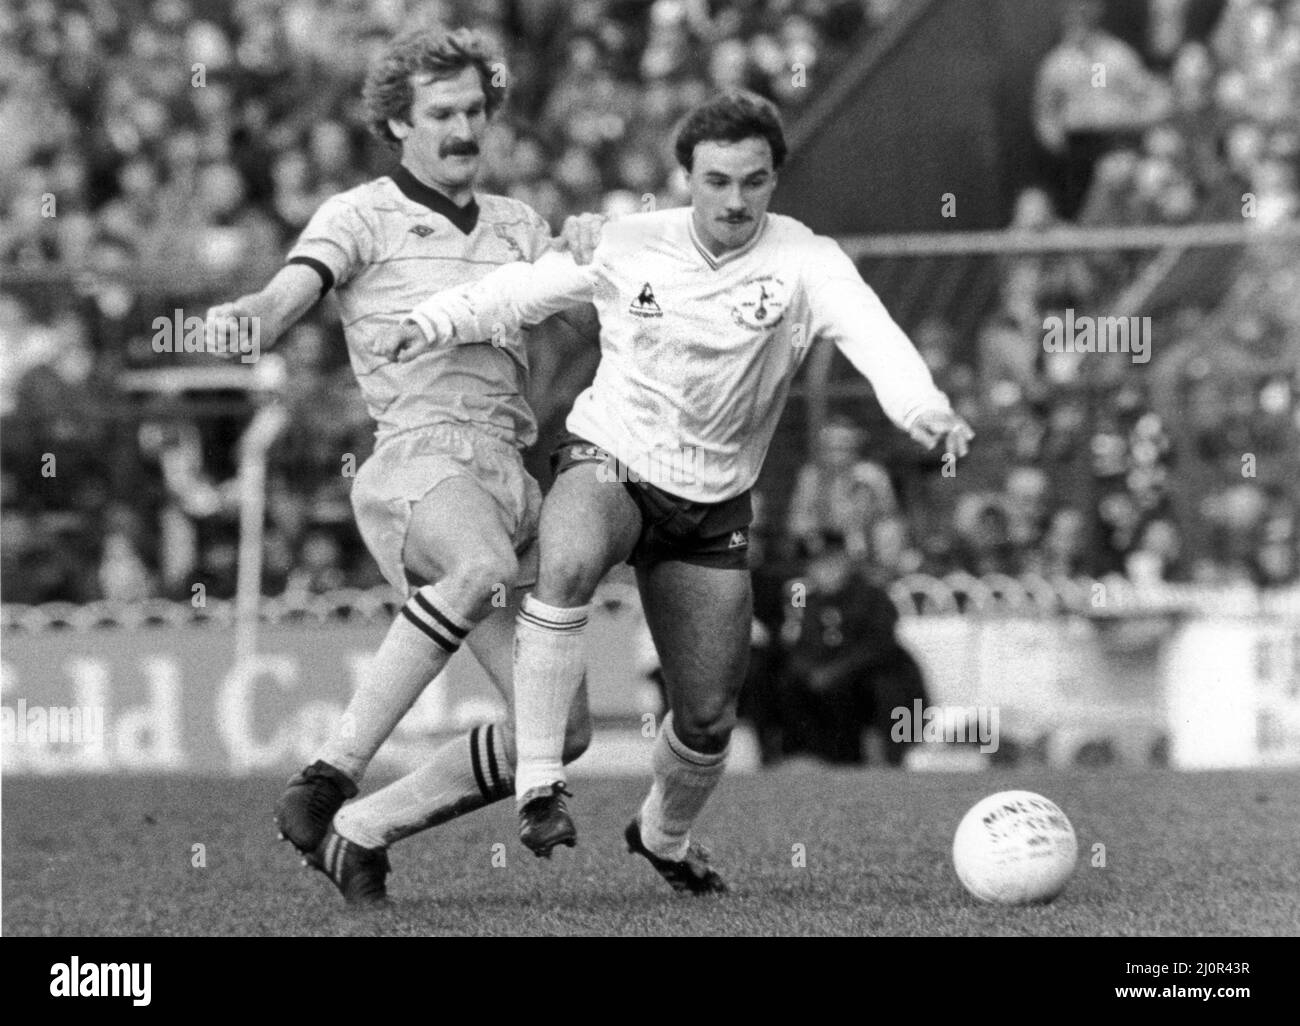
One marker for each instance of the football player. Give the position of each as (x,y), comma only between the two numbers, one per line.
(444,503)
(706,312)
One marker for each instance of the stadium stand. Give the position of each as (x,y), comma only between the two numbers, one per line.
(185,146)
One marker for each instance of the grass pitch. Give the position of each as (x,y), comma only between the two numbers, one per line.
(807,852)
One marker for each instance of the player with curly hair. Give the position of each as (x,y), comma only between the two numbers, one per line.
(444,504)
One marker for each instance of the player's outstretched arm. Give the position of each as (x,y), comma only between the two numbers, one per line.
(930,427)
(474,313)
(496,305)
(845,309)
(273,310)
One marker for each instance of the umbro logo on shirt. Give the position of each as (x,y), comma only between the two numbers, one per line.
(422,230)
(738,540)
(644,305)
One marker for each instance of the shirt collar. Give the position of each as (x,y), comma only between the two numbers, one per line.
(715,262)
(465,218)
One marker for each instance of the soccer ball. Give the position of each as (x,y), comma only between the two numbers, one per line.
(1014,848)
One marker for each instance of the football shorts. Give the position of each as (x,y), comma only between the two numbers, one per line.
(405,467)
(713,534)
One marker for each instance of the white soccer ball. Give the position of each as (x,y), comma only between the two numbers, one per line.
(1015,848)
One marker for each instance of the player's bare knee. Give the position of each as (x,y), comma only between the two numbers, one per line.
(483,579)
(705,729)
(567,580)
(420,565)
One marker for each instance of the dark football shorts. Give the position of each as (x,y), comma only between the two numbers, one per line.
(714,534)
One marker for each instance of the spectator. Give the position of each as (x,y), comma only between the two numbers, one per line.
(1029,283)
(319,565)
(984,544)
(123,576)
(1156,558)
(1277,556)
(892,553)
(840,492)
(1075,117)
(1166,31)
(1025,499)
(845,670)
(1064,551)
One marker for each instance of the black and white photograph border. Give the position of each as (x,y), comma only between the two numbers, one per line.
(854,442)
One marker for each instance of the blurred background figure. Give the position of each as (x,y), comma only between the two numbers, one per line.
(839,491)
(1080,116)
(844,670)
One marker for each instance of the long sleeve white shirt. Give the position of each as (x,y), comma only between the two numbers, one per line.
(698,352)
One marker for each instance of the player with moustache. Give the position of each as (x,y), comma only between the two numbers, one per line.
(706,313)
(444,504)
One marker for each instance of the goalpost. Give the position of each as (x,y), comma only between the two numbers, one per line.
(254,449)
(263,383)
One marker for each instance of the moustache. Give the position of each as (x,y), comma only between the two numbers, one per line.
(459,149)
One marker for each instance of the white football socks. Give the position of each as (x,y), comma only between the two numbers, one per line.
(465,774)
(474,770)
(683,781)
(549,662)
(424,635)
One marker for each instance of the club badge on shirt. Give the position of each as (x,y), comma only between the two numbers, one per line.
(502,232)
(762,303)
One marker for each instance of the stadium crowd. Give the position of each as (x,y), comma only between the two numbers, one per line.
(184,146)
(1181,126)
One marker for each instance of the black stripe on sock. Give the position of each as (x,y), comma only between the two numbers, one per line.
(477,763)
(433,635)
(534,620)
(497,783)
(432,610)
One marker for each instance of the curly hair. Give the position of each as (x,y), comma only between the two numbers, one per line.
(389,92)
(731,117)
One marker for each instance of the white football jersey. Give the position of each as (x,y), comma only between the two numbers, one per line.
(697,352)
